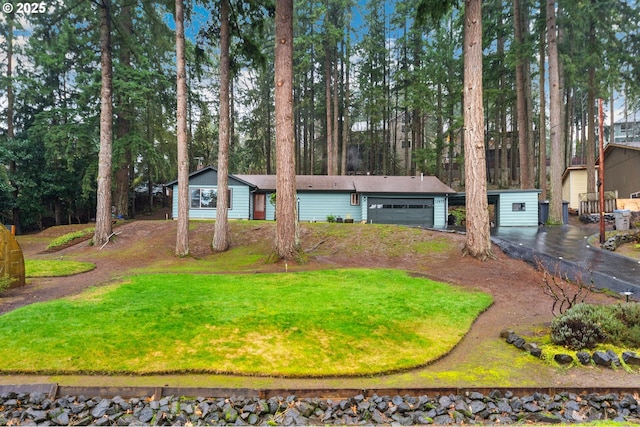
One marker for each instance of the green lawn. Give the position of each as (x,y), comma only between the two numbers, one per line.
(319,323)
(55,268)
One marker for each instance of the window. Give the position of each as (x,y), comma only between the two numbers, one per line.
(518,207)
(206,198)
(355,199)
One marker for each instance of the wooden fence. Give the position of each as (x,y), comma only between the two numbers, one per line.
(590,202)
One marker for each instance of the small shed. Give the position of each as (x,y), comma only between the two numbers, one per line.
(574,183)
(508,208)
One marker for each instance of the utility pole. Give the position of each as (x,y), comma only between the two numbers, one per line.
(601,167)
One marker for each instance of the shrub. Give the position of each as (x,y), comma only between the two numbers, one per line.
(584,326)
(578,328)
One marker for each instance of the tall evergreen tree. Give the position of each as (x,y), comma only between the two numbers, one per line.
(182,235)
(103,228)
(287,243)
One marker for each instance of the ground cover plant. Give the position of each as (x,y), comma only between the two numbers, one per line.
(55,268)
(316,323)
(68,238)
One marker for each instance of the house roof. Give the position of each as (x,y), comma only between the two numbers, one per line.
(209,169)
(611,146)
(356,183)
(568,170)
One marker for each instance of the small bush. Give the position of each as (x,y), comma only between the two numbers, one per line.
(584,326)
(578,328)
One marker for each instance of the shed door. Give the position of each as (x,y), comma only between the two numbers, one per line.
(400,211)
(259,206)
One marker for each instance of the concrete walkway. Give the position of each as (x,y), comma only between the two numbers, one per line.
(565,250)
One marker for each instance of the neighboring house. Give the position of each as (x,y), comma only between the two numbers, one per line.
(622,168)
(409,200)
(574,183)
(626,131)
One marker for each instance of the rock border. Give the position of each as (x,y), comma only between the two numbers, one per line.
(607,359)
(496,407)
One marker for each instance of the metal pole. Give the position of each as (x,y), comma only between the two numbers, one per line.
(601,167)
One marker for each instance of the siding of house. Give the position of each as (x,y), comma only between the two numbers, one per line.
(622,171)
(574,184)
(317,205)
(240,208)
(510,216)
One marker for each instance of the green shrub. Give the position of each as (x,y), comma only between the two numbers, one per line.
(578,328)
(584,326)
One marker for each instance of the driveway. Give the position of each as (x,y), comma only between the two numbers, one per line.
(565,250)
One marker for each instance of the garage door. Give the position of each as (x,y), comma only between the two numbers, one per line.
(400,211)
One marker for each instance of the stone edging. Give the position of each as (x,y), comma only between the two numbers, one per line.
(608,359)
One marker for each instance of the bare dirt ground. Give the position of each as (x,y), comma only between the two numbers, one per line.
(519,302)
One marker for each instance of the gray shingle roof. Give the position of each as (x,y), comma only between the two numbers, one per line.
(356,183)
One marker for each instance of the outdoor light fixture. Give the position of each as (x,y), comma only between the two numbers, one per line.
(627,294)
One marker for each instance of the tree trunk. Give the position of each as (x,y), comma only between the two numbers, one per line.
(287,242)
(182,234)
(328,105)
(221,232)
(13,167)
(523,118)
(478,242)
(104,227)
(542,145)
(591,111)
(555,123)
(123,124)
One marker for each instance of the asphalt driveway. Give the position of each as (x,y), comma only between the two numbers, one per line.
(565,250)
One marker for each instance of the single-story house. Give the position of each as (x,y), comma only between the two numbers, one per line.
(409,200)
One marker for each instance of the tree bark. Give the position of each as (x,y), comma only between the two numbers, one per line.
(123,124)
(542,145)
(523,118)
(287,241)
(182,235)
(591,111)
(221,232)
(555,110)
(478,242)
(104,227)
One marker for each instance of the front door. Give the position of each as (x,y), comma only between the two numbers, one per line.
(259,206)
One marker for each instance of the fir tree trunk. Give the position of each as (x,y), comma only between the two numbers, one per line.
(287,242)
(182,235)
(103,227)
(220,235)
(555,119)
(478,242)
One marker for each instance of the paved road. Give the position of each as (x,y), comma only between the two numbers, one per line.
(565,250)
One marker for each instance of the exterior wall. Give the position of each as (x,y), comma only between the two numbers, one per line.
(317,205)
(622,171)
(573,185)
(240,202)
(508,217)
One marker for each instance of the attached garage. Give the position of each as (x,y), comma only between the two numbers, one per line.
(405,211)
